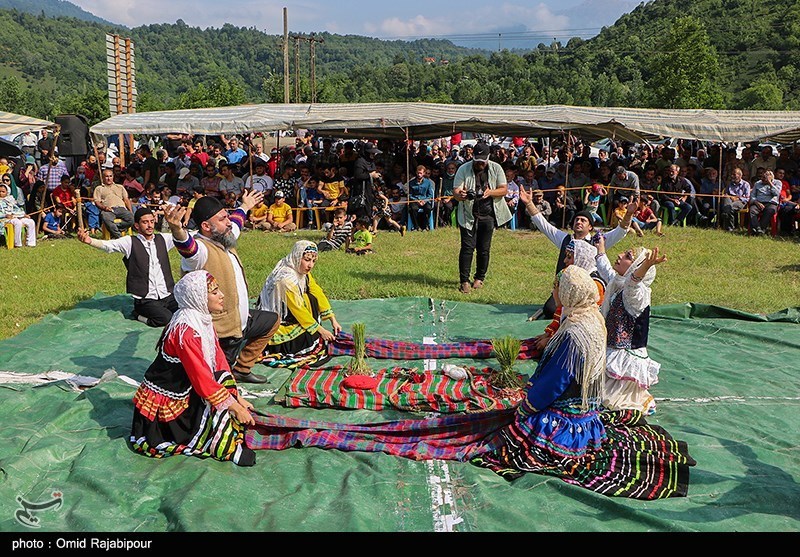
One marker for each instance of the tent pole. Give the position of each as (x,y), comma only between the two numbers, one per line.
(250,157)
(438,202)
(718,196)
(566,181)
(408,177)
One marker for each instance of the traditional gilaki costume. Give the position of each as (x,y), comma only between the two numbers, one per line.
(559,429)
(301,305)
(584,256)
(181,406)
(629,370)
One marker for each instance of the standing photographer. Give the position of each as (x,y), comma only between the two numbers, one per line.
(362,197)
(480,187)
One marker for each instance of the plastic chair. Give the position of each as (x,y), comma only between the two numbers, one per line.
(665,217)
(773,224)
(410,223)
(9,235)
(107,234)
(301,213)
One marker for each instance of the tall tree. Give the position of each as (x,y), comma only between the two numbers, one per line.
(686,69)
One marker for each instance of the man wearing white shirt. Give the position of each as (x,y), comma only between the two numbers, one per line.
(260,181)
(149,280)
(582,230)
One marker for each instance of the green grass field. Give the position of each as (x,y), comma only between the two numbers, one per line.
(757,275)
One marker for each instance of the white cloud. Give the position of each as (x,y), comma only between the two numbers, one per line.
(264,15)
(414,27)
(483,19)
(534,18)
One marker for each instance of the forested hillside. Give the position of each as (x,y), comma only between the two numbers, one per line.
(667,53)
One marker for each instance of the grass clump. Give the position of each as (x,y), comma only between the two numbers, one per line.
(506,351)
(358,363)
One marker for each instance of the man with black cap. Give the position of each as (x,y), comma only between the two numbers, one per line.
(243,332)
(362,197)
(480,187)
(149,280)
(581,230)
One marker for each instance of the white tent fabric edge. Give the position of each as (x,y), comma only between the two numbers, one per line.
(419,120)
(13,124)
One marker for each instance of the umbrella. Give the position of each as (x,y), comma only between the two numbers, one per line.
(9,149)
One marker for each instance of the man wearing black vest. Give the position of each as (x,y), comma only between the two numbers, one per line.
(582,230)
(149,279)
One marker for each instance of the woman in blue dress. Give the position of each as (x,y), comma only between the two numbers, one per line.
(559,429)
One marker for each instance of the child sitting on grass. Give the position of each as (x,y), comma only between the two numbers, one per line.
(362,237)
(620,208)
(646,219)
(338,233)
(52,224)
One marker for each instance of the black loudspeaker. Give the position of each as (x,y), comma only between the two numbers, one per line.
(73,140)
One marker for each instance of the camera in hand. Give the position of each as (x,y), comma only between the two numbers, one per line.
(471,195)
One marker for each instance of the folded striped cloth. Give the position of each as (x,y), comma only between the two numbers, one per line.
(399,388)
(453,437)
(383,349)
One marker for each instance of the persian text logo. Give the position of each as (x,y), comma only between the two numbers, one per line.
(27,514)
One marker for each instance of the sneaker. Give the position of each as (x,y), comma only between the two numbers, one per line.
(464,288)
(403,230)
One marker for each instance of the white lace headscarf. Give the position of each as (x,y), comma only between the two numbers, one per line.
(286,280)
(191,293)
(617,283)
(585,254)
(582,322)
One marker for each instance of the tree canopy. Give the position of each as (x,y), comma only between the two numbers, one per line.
(670,54)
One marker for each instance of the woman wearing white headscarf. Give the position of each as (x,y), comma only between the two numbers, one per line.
(582,254)
(559,429)
(291,291)
(188,402)
(630,372)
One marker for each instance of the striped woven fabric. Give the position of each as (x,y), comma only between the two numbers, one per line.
(454,437)
(401,350)
(636,460)
(399,388)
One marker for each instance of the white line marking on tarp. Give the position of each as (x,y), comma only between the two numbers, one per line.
(443,507)
(736,398)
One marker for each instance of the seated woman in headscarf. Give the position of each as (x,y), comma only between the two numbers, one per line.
(582,254)
(559,430)
(630,372)
(188,402)
(291,291)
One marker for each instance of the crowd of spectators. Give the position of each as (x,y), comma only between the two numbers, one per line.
(399,184)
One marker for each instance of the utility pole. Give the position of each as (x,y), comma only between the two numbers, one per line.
(312,40)
(286,55)
(297,39)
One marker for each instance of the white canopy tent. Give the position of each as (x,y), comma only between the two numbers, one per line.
(429,120)
(13,124)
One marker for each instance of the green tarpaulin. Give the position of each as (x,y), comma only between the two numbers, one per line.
(729,386)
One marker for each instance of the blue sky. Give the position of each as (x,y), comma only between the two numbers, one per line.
(477,23)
